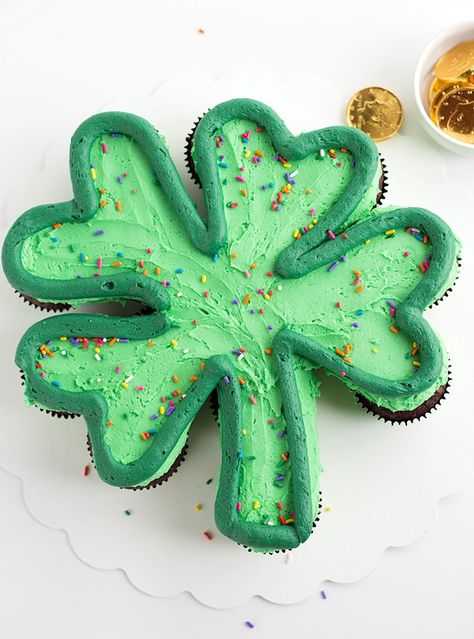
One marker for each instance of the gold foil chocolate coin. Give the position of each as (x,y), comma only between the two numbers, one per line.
(457,61)
(451,94)
(446,87)
(455,114)
(376,111)
(436,86)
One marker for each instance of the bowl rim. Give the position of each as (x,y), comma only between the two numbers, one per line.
(438,39)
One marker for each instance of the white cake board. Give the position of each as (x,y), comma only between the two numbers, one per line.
(381,482)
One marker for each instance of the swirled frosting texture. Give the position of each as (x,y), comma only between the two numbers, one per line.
(232,304)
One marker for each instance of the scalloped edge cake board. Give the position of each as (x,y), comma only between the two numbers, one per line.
(381,482)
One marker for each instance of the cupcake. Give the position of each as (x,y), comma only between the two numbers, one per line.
(295,268)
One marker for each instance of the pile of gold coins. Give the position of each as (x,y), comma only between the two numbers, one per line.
(451,94)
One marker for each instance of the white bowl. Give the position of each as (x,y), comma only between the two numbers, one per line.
(424,76)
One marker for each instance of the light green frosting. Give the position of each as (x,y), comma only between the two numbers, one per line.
(145,229)
(55,253)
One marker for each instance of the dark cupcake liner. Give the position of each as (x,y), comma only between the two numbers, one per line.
(187,152)
(146,310)
(383,183)
(59,307)
(155,482)
(283,550)
(55,307)
(448,290)
(57,413)
(214,405)
(53,413)
(407,416)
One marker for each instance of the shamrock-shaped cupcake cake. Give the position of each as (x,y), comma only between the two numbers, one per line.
(295,268)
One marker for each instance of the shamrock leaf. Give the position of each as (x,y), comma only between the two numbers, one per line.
(93,247)
(294,270)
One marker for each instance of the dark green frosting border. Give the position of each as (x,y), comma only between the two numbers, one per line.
(207,239)
(312,251)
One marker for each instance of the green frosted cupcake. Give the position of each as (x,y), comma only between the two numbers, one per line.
(294,269)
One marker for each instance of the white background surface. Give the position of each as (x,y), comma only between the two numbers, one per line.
(373,506)
(58,64)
